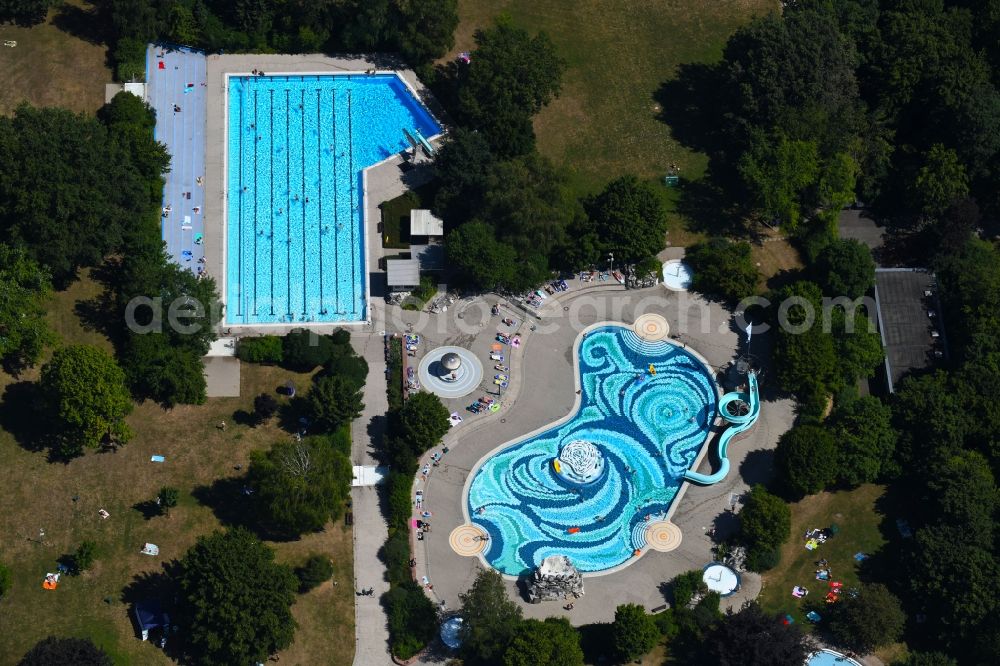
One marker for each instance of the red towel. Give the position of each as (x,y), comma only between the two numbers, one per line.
(162,65)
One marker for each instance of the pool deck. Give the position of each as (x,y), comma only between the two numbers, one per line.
(382,181)
(547,393)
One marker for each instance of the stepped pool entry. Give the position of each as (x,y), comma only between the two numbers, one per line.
(590,486)
(297,147)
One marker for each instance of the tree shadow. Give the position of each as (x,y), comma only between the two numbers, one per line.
(725,525)
(757,467)
(156,587)
(20,416)
(290,413)
(148,508)
(245,418)
(100,314)
(597,640)
(229,501)
(85,22)
(691,104)
(710,209)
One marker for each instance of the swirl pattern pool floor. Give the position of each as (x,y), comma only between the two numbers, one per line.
(650,428)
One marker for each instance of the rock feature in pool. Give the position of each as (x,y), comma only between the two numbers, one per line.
(648,429)
(579,462)
(555,578)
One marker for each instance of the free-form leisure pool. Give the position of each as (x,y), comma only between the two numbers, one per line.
(297,147)
(647,427)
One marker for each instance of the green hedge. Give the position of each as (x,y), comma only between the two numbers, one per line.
(265,349)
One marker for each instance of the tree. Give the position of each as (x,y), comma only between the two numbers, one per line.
(70,192)
(423,421)
(776,172)
(235,601)
(871,620)
(633,632)
(463,167)
(963,495)
(83,391)
(723,269)
(685,586)
(83,557)
(54,651)
(167,498)
(158,370)
(630,219)
(751,637)
(316,570)
(427,29)
(845,268)
(926,659)
(299,486)
(511,77)
(25,13)
(412,618)
(552,642)
(939,183)
(332,401)
(489,619)
(866,440)
(24,288)
(765,522)
(806,459)
(808,355)
(264,407)
(476,255)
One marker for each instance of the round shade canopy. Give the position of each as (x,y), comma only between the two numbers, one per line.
(720,578)
(451,361)
(450,632)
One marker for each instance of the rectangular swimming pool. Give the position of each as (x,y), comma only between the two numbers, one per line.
(297,147)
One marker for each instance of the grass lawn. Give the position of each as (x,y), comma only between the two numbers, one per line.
(855,513)
(618,54)
(52,67)
(38,495)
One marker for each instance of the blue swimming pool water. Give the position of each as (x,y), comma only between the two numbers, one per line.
(828,658)
(650,429)
(297,146)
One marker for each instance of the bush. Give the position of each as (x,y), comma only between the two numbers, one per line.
(412,619)
(723,269)
(167,498)
(265,349)
(84,556)
(686,585)
(765,523)
(871,620)
(634,632)
(396,555)
(130,59)
(303,350)
(332,402)
(314,572)
(349,366)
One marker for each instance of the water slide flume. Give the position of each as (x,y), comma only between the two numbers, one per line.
(738,423)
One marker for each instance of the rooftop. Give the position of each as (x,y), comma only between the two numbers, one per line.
(422,223)
(905,299)
(402,272)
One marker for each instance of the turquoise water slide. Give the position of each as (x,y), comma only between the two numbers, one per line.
(737,424)
(423,142)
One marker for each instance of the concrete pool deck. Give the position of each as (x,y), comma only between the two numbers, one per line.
(382,181)
(547,394)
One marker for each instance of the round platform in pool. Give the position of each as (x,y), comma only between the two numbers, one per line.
(721,579)
(677,275)
(830,658)
(649,428)
(450,372)
(651,327)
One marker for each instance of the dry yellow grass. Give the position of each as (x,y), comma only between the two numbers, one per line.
(51,67)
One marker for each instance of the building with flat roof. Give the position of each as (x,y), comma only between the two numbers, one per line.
(402,274)
(909,321)
(423,223)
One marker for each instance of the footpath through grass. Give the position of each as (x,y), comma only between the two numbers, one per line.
(854,512)
(618,54)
